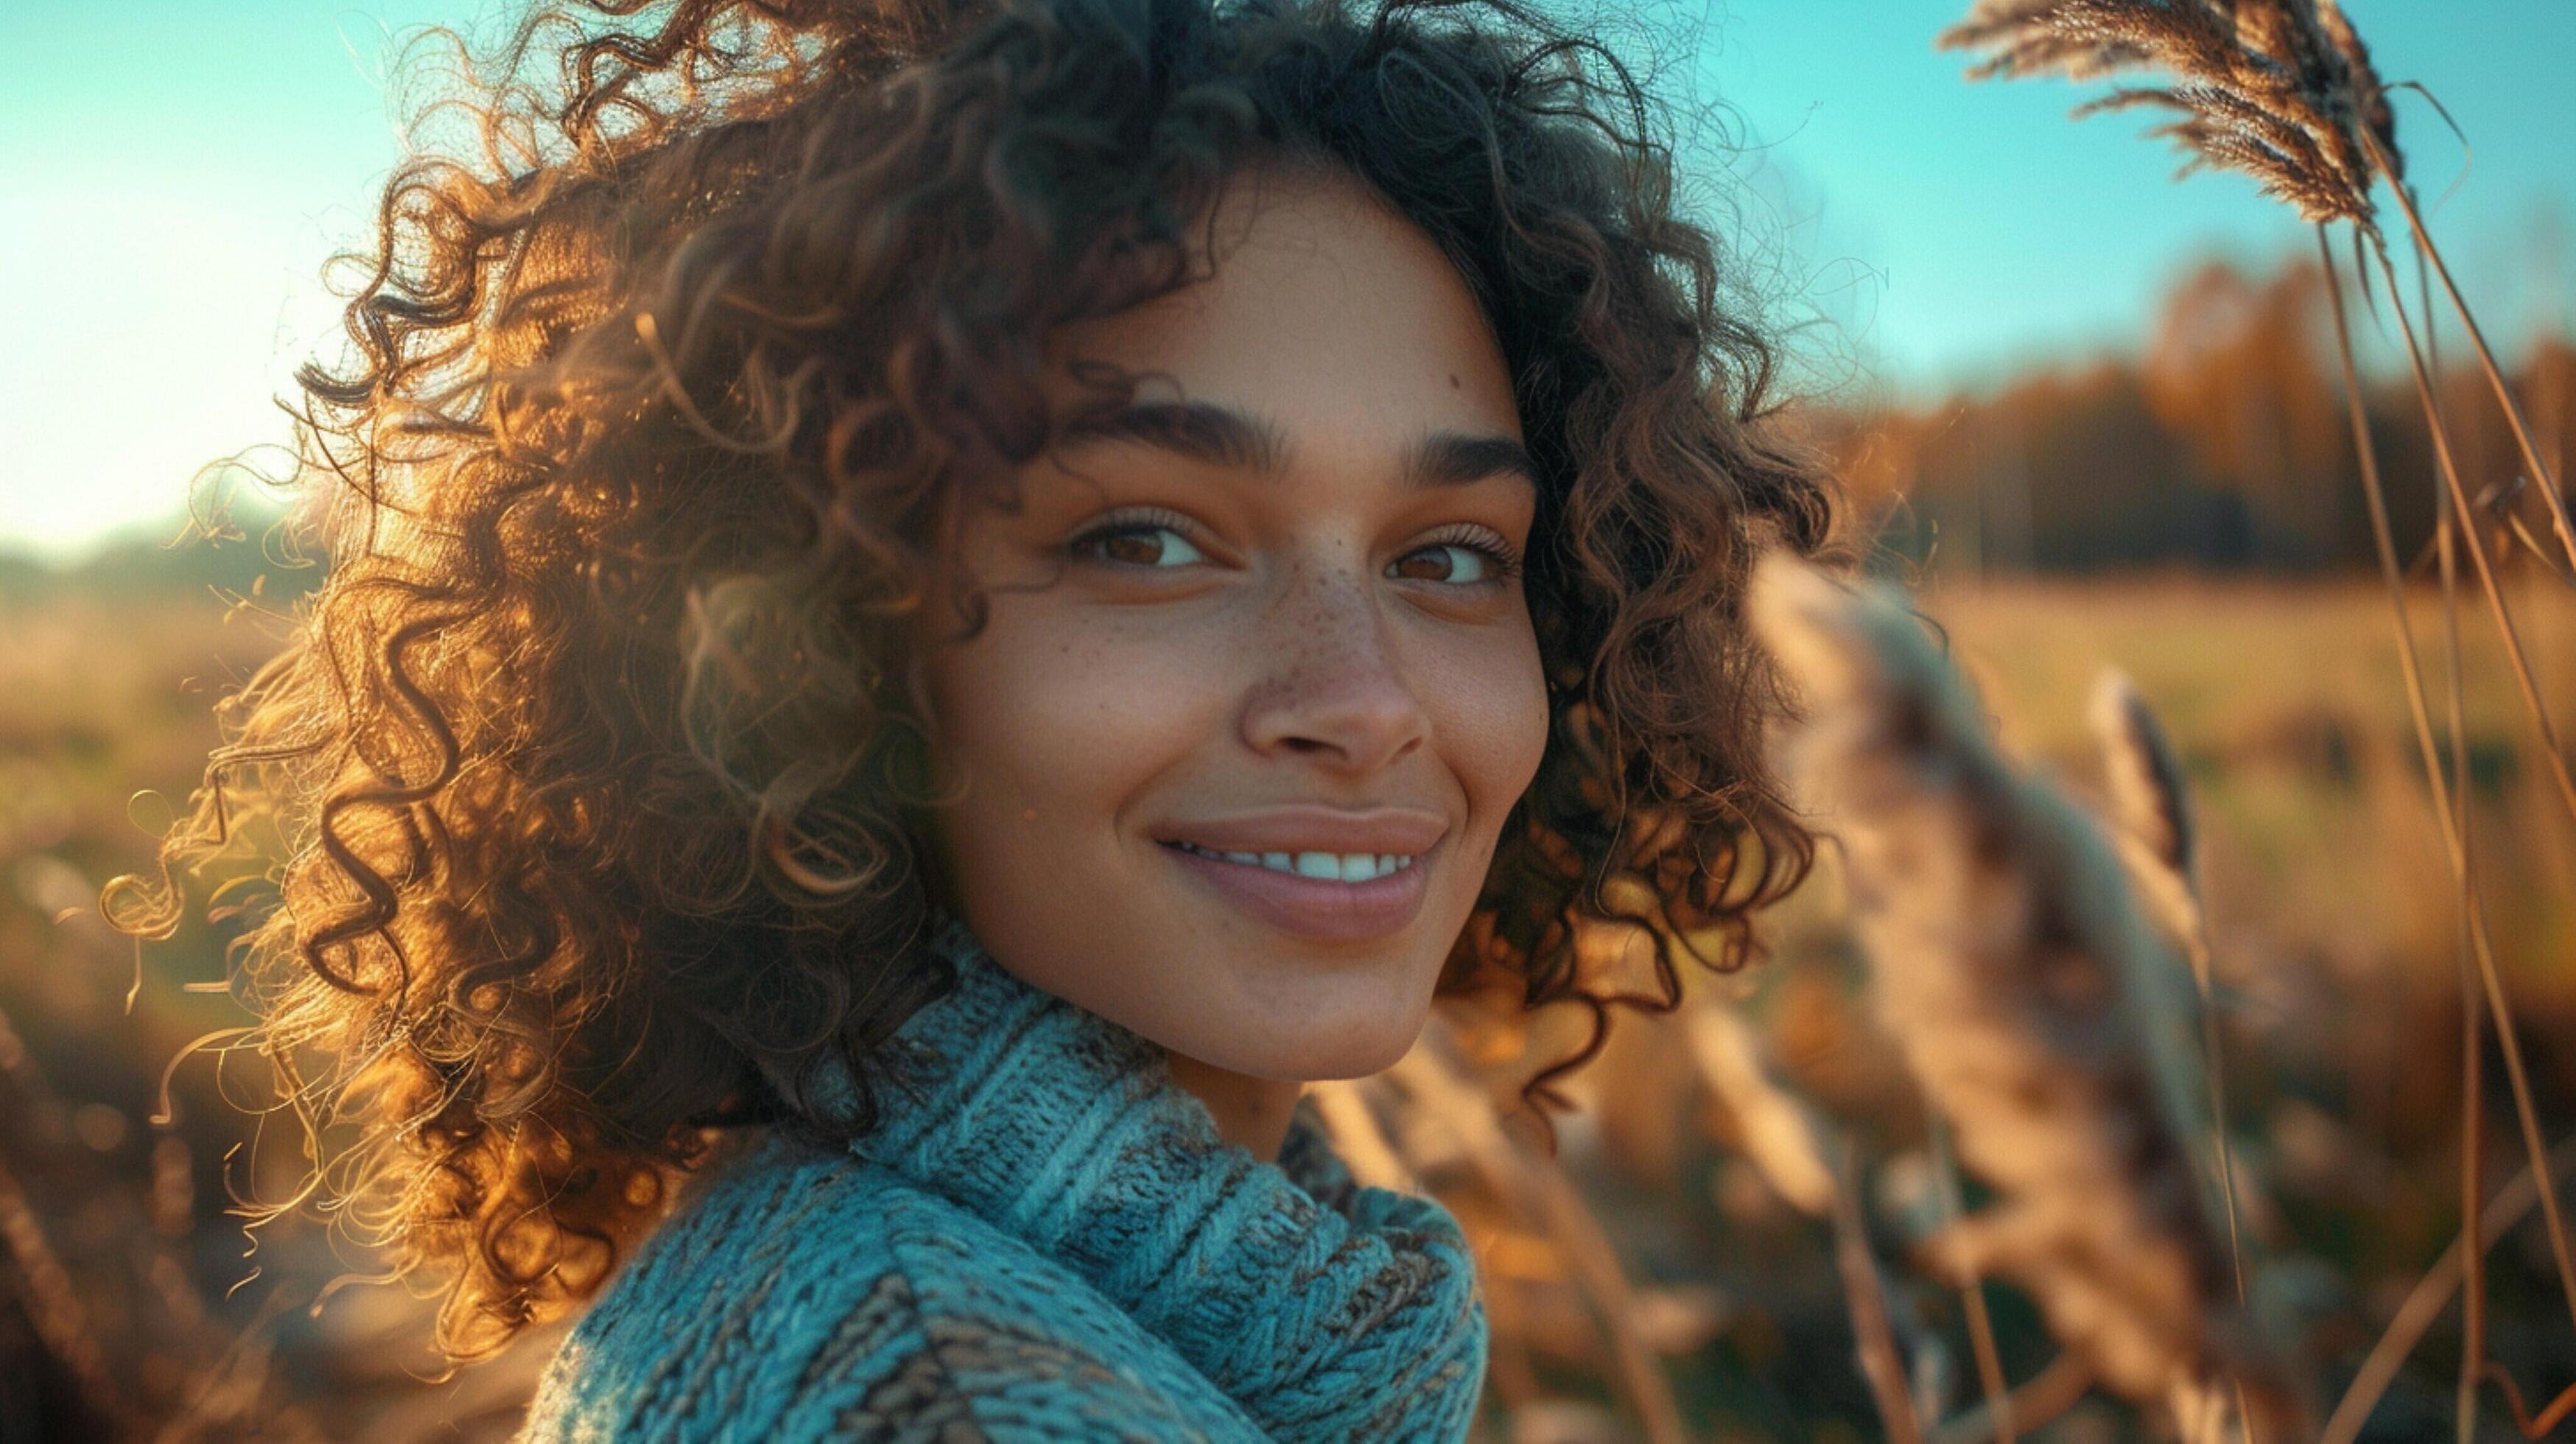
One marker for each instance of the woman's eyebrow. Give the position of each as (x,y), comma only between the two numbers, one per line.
(1222,436)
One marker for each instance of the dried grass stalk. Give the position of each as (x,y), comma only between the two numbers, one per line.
(1865,1292)
(1357,1139)
(54,1310)
(2159,840)
(2432,1294)
(1972,1292)
(2043,1017)
(2049,1393)
(1436,1080)
(1781,1133)
(2281,90)
(2542,473)
(2157,835)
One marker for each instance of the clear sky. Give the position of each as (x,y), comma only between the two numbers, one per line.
(177,171)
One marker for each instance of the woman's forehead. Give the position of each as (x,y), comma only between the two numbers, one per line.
(1320,306)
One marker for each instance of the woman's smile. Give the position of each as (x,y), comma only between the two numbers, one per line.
(1343,867)
(1320,873)
(1342,908)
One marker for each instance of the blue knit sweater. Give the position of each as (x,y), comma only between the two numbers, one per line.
(1049,1240)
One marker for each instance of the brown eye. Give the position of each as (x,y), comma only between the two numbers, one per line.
(1139,544)
(1459,563)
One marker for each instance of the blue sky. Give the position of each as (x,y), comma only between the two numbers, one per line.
(178,171)
(1955,230)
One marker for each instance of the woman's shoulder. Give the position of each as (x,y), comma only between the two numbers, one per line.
(807,1294)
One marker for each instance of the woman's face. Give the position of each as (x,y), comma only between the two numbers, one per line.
(1280,621)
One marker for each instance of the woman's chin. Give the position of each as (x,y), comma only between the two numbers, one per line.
(1334,1054)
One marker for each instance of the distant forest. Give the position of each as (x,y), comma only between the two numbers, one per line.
(2226,446)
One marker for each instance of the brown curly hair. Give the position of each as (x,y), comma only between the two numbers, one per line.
(588,782)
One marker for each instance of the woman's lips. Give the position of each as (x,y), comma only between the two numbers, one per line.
(1319,909)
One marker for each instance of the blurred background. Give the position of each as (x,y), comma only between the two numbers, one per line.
(2089,416)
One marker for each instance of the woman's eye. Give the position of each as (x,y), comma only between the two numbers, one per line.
(1457,562)
(1140,544)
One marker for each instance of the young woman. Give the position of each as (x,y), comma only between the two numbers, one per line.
(933,606)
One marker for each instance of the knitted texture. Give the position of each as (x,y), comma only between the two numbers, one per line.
(1046,1238)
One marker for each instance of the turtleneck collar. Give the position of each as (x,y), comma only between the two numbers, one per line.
(1326,1309)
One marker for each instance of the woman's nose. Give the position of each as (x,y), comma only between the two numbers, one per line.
(1329,676)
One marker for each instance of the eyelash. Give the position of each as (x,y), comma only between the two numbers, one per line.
(1505,561)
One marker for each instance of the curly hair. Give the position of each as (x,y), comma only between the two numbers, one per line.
(589,776)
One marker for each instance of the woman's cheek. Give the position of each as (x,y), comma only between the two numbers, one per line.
(1072,712)
(1498,711)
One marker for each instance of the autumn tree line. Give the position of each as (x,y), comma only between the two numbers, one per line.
(2224,445)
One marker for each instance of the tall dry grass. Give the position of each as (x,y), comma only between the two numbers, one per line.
(2285,91)
(2048,1023)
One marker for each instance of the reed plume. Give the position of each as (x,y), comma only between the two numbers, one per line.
(2043,1017)
(2281,90)
(2158,836)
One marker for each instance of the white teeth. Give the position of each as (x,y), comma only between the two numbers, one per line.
(1337,867)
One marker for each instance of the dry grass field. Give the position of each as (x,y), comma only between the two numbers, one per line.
(1663,1265)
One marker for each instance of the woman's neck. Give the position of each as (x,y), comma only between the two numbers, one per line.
(1251,1112)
